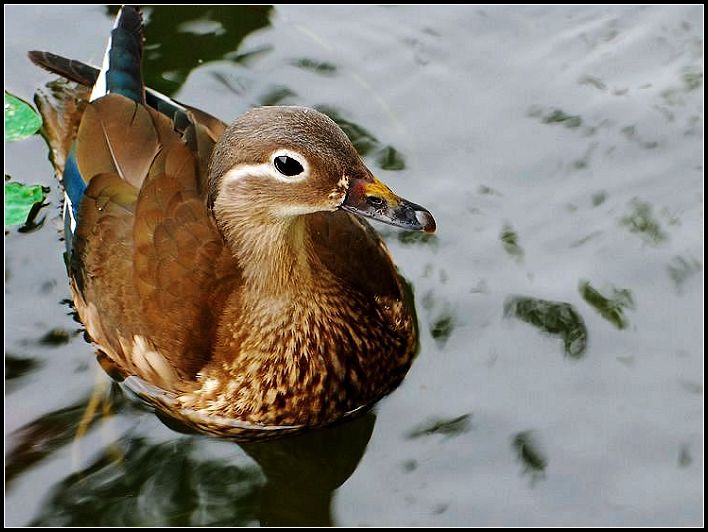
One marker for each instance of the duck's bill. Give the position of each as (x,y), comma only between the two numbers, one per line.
(372,199)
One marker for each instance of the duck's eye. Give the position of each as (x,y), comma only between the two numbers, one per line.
(288,166)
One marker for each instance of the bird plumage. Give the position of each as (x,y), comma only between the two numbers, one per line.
(246,297)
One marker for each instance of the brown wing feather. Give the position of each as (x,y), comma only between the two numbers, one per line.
(116,136)
(176,248)
(150,268)
(212,125)
(61,109)
(178,253)
(101,271)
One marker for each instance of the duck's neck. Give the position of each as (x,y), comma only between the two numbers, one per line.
(275,255)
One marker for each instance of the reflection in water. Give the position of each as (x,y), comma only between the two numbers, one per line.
(598,198)
(442,319)
(681,268)
(684,459)
(692,78)
(552,317)
(630,132)
(276,96)
(641,220)
(364,141)
(153,485)
(33,223)
(586,239)
(559,117)
(442,328)
(387,157)
(56,336)
(39,439)
(303,471)
(555,116)
(17,366)
(204,34)
(409,237)
(135,482)
(593,81)
(510,241)
(322,68)
(529,454)
(446,426)
(611,308)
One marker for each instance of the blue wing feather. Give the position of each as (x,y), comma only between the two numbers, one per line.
(125,56)
(74,184)
(74,187)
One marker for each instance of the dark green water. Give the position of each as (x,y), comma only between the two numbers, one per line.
(559,380)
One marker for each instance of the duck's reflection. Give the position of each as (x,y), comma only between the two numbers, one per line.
(134,482)
(302,472)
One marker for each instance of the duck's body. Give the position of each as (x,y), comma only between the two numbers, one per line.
(202,264)
(295,323)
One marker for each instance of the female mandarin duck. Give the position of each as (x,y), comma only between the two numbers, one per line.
(227,270)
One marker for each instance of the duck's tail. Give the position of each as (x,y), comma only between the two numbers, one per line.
(122,69)
(121,72)
(62,109)
(70,69)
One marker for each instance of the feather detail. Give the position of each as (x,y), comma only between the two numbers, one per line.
(275,320)
(121,71)
(61,105)
(71,69)
(116,136)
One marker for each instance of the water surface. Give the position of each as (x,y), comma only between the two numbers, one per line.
(559,380)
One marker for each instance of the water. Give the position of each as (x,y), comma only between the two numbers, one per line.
(559,380)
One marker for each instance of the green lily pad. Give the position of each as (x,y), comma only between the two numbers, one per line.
(21,120)
(19,201)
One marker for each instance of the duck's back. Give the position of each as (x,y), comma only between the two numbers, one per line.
(144,254)
(148,264)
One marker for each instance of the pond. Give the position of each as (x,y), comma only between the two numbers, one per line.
(559,378)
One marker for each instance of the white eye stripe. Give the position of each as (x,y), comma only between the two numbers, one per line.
(245,170)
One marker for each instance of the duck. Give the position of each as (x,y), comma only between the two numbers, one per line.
(227,272)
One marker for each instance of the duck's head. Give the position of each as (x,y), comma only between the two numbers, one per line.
(276,163)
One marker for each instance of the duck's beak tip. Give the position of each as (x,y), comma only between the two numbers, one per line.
(426,221)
